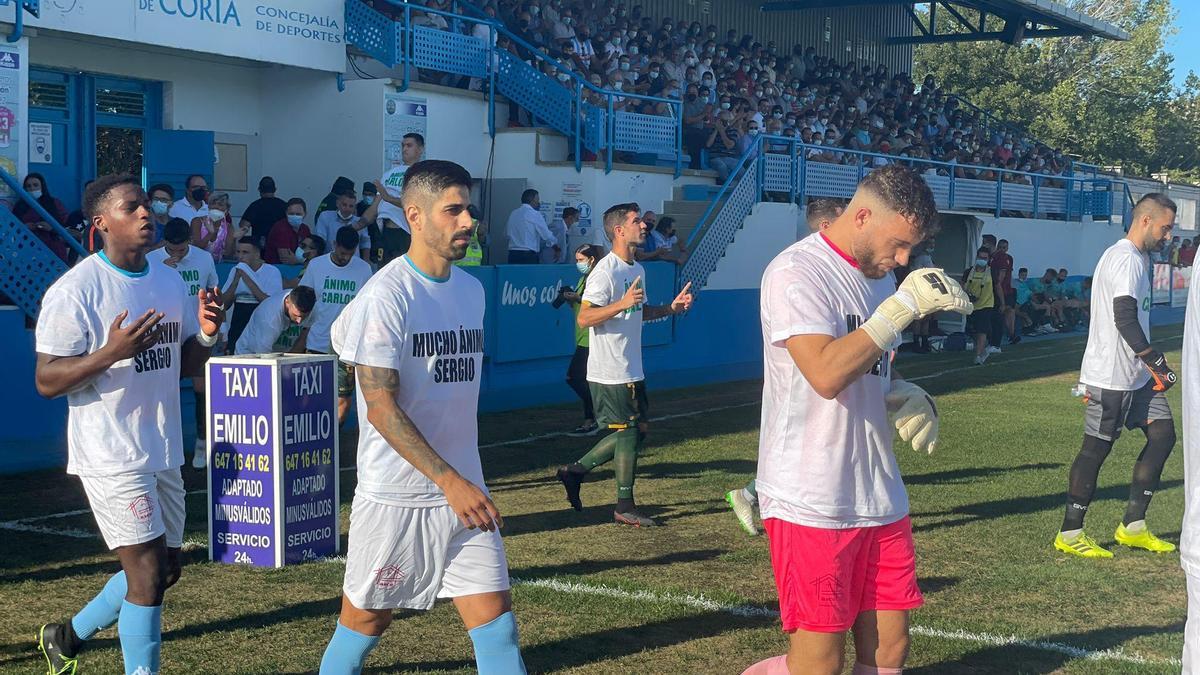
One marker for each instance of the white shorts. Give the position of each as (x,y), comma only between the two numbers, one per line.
(134,508)
(407,557)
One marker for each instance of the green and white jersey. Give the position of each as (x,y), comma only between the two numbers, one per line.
(615,346)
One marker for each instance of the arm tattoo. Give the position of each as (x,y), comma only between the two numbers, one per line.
(379,386)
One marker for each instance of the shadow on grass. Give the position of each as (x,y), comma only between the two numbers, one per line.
(1001,508)
(966,475)
(931,585)
(1041,661)
(605,645)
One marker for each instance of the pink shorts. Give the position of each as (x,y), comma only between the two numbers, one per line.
(826,577)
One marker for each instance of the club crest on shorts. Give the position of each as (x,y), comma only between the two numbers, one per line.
(141,508)
(389,576)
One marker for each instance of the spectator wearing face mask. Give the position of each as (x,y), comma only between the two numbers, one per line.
(978,283)
(283,241)
(586,257)
(666,243)
(213,229)
(345,214)
(161,196)
(192,204)
(369,192)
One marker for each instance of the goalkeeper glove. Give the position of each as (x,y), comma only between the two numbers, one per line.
(1156,363)
(914,414)
(923,292)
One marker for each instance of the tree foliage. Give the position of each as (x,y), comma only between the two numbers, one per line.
(1108,102)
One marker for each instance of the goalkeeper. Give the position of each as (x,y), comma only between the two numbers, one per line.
(833,503)
(1126,380)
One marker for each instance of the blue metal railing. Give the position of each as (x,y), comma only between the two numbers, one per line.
(776,165)
(27,266)
(600,129)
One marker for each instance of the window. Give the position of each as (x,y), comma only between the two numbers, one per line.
(120,102)
(230,170)
(48,95)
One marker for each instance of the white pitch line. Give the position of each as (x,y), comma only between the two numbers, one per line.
(742,610)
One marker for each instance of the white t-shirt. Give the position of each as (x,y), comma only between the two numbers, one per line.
(1189,375)
(1109,363)
(824,463)
(328,223)
(335,287)
(267,278)
(196,269)
(615,351)
(270,329)
(393,181)
(126,420)
(182,209)
(431,333)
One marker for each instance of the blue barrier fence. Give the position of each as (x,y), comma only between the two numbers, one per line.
(778,166)
(594,118)
(28,267)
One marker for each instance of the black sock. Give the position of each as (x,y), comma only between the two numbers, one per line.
(1160,439)
(74,644)
(1082,485)
(625,505)
(577,468)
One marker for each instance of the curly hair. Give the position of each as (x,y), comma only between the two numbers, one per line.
(904,191)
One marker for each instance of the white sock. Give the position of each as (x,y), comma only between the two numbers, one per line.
(749,497)
(1136,527)
(1069,535)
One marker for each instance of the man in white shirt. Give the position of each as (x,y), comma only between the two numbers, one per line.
(346,214)
(819,214)
(412,148)
(1126,380)
(422,525)
(1189,547)
(196,269)
(613,309)
(527,232)
(193,204)
(279,323)
(833,502)
(336,278)
(114,335)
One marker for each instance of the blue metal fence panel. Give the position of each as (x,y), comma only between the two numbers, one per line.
(970,193)
(27,266)
(372,32)
(777,173)
(1017,197)
(726,223)
(449,52)
(541,96)
(637,132)
(1052,200)
(830,180)
(595,127)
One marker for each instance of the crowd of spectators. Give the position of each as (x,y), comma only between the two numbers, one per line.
(1177,253)
(733,87)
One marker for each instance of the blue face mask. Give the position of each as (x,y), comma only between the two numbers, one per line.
(294,220)
(582,267)
(159,208)
(369,199)
(981,262)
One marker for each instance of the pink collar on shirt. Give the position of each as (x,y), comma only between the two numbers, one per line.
(845,256)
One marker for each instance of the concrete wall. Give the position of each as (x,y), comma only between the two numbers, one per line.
(768,229)
(1039,244)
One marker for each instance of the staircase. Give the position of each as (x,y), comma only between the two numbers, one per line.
(27,266)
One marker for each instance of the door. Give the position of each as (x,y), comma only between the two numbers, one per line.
(54,99)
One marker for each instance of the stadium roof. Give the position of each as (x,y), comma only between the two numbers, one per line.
(1009,21)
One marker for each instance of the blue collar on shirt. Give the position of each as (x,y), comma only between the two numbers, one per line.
(426,276)
(127,273)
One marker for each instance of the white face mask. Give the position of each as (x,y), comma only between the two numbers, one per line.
(216,215)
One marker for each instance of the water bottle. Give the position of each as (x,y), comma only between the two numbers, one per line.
(1079,390)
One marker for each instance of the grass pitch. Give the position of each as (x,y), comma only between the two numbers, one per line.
(696,595)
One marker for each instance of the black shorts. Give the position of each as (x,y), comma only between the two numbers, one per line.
(1010,297)
(981,320)
(620,406)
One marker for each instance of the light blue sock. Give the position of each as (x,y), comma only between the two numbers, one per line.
(103,610)
(497,651)
(140,630)
(347,652)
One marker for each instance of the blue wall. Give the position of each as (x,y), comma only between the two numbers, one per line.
(528,347)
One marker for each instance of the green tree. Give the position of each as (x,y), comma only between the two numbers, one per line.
(1110,102)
